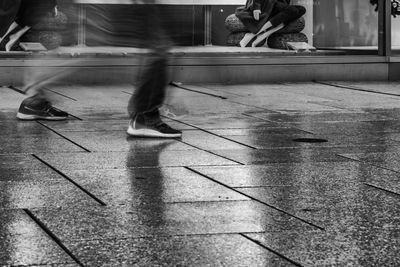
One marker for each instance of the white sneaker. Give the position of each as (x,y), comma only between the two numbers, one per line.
(247,39)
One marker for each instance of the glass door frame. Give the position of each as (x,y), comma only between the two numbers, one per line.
(384,28)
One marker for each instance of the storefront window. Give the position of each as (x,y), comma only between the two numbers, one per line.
(347,26)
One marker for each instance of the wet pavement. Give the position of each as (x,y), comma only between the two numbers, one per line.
(283,174)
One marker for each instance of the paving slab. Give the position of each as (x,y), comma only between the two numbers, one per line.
(351,128)
(259,131)
(320,203)
(165,219)
(250,156)
(38,192)
(309,248)
(138,186)
(132,159)
(292,105)
(243,89)
(333,249)
(208,141)
(388,160)
(14,99)
(290,139)
(294,174)
(346,96)
(391,113)
(36,143)
(323,117)
(227,121)
(195,106)
(375,86)
(23,243)
(22,129)
(203,250)
(19,166)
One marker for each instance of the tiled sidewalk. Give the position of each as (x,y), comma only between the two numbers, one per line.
(241,188)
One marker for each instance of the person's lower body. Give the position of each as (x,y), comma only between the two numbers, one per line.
(281,15)
(143,107)
(36,80)
(153,79)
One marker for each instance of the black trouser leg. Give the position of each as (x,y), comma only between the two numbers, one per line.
(153,77)
(31,11)
(285,14)
(150,92)
(8,13)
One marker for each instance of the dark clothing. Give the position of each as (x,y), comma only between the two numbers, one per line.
(8,13)
(31,11)
(23,12)
(274,11)
(153,75)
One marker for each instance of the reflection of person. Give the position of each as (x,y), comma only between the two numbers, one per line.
(264,17)
(16,18)
(153,78)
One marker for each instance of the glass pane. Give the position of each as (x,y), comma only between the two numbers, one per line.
(345,24)
(396,35)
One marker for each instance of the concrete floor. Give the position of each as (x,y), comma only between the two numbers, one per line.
(247,185)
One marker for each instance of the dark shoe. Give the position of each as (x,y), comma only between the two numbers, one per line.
(44,111)
(140,128)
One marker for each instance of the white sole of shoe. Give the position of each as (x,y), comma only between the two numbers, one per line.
(150,133)
(246,39)
(26,117)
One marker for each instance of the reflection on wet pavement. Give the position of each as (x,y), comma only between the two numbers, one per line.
(236,190)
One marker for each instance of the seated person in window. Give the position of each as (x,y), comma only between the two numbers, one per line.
(264,17)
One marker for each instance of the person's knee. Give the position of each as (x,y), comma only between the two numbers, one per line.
(300,10)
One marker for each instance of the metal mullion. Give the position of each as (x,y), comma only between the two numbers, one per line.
(384,28)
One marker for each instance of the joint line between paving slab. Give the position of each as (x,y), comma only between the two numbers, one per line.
(255,199)
(254,106)
(377,166)
(206,131)
(368,163)
(382,189)
(74,116)
(12,87)
(196,91)
(356,88)
(280,123)
(271,250)
(53,236)
(66,138)
(70,180)
(57,93)
(215,154)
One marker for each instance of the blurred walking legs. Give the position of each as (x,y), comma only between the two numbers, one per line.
(143,107)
